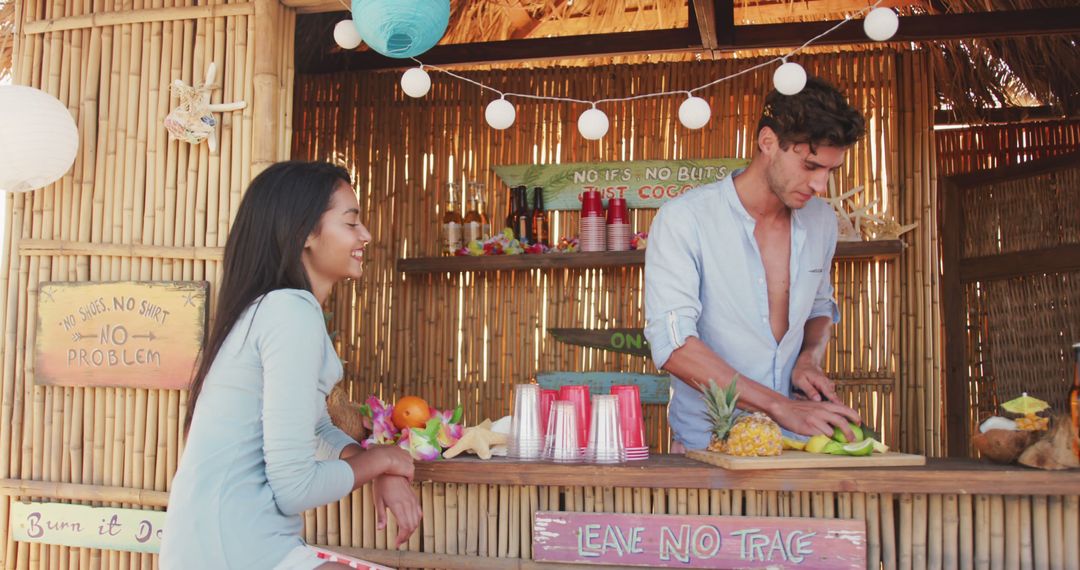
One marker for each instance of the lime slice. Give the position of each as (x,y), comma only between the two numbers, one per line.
(879,447)
(864,447)
(834,448)
(839,435)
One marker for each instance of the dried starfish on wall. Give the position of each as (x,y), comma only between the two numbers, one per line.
(193,121)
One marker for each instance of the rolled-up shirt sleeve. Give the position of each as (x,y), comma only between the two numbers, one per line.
(672,283)
(825,300)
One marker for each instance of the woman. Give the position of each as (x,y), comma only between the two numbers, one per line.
(260,447)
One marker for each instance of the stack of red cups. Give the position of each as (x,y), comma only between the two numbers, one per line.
(592,235)
(618,225)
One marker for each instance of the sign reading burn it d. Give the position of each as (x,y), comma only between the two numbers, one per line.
(124,334)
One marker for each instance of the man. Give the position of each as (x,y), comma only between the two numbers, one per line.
(737,275)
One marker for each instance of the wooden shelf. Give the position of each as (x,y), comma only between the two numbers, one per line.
(883,249)
(949,476)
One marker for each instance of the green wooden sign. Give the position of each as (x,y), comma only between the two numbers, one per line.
(654,389)
(133,530)
(644,183)
(626,341)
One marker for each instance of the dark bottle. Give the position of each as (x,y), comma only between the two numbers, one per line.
(512,214)
(539,219)
(524,219)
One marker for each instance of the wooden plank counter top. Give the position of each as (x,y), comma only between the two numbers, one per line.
(947,476)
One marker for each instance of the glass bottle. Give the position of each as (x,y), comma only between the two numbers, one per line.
(524,217)
(471,223)
(451,228)
(539,219)
(1074,401)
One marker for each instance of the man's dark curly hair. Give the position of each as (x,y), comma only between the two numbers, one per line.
(817,115)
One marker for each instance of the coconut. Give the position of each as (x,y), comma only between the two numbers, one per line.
(1002,445)
(997,422)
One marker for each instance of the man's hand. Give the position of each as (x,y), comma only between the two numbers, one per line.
(813,418)
(811,380)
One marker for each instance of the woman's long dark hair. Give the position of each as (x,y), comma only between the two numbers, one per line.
(282,207)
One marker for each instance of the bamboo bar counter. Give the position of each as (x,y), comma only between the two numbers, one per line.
(947,514)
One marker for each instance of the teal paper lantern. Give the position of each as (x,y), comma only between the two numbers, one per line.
(401,28)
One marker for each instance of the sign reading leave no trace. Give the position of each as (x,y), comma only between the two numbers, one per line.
(127,334)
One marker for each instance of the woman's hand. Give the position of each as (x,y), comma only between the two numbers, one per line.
(380,460)
(395,493)
(395,461)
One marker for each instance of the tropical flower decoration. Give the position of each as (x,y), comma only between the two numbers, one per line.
(442,431)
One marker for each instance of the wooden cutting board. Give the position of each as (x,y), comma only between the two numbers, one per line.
(791,459)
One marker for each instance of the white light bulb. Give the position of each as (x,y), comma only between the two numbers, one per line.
(789,78)
(694,113)
(880,24)
(500,114)
(415,82)
(346,36)
(593,124)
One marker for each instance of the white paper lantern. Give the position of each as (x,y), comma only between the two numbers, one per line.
(593,124)
(789,78)
(38,139)
(416,82)
(500,114)
(880,24)
(694,113)
(346,36)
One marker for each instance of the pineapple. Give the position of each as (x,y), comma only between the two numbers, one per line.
(753,435)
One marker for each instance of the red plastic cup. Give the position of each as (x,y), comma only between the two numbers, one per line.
(546,398)
(616,211)
(579,395)
(591,204)
(630,415)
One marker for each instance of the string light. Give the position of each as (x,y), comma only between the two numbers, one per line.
(346,36)
(789,78)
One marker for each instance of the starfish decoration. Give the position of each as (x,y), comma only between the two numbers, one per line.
(863,213)
(192,121)
(845,230)
(478,439)
(889,229)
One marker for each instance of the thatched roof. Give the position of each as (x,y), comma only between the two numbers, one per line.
(972,75)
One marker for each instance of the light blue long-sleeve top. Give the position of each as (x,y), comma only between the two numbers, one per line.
(704,278)
(261,448)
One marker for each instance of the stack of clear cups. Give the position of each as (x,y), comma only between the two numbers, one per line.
(605,436)
(561,441)
(526,441)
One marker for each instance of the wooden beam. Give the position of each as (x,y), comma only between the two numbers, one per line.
(703,14)
(1016,172)
(1060,259)
(912,29)
(957,393)
(1002,115)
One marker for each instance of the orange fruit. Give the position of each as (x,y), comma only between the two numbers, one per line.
(411,412)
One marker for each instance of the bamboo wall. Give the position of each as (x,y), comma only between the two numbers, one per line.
(468,337)
(134,206)
(985,147)
(1019,330)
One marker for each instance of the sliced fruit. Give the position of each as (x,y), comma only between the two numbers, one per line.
(817,443)
(879,447)
(839,435)
(795,444)
(860,448)
(834,448)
